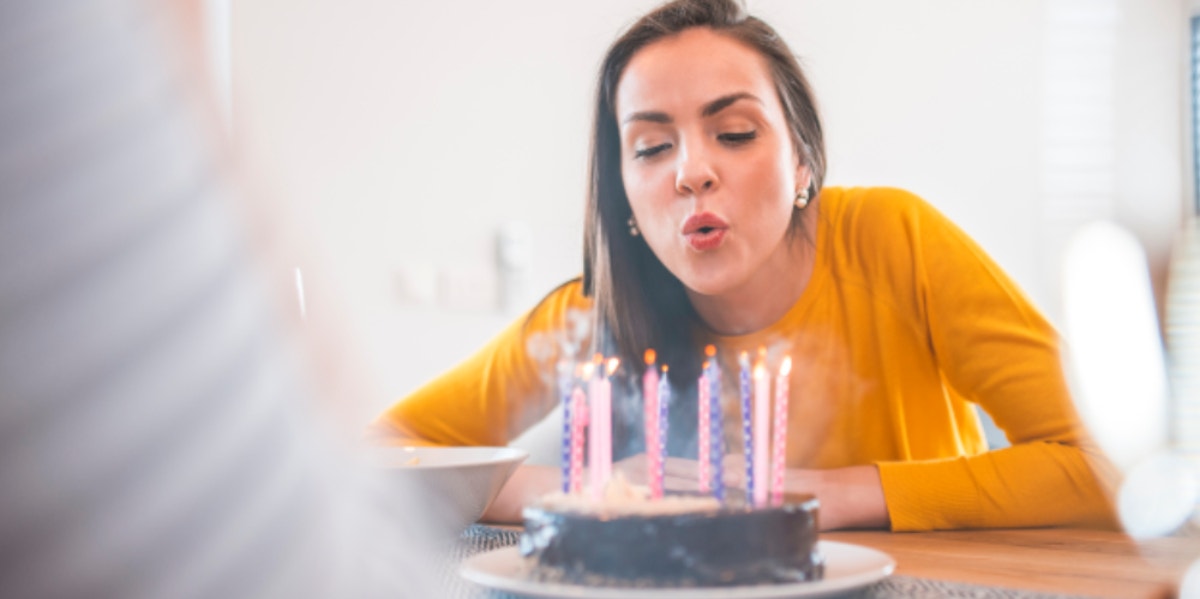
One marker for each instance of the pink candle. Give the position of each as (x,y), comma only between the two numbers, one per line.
(578,421)
(762,438)
(606,451)
(595,427)
(650,410)
(703,432)
(781,423)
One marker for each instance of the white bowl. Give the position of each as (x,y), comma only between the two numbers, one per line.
(452,486)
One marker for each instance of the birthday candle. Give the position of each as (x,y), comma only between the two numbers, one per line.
(579,420)
(664,403)
(564,388)
(703,430)
(718,450)
(595,427)
(781,423)
(747,419)
(718,436)
(762,439)
(650,420)
(606,452)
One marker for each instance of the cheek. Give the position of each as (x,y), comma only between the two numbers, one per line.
(648,193)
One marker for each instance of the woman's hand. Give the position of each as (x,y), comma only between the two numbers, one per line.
(850,497)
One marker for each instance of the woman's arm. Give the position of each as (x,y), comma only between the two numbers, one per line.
(994,348)
(497,393)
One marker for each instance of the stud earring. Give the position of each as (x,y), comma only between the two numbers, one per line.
(633,228)
(802,199)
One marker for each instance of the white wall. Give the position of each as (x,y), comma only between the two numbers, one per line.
(408,133)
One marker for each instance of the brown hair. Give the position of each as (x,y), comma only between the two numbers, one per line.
(639,303)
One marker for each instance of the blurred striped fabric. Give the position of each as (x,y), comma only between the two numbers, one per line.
(154,436)
(1183,343)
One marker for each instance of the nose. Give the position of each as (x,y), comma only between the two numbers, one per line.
(695,173)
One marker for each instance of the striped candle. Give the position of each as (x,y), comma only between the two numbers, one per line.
(606,449)
(650,418)
(781,423)
(718,451)
(564,388)
(595,427)
(703,431)
(747,419)
(664,403)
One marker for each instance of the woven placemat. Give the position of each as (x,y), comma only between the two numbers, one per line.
(479,538)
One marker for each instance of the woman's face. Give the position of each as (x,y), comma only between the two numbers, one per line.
(706,159)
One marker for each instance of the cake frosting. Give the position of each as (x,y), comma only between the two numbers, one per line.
(625,539)
(621,498)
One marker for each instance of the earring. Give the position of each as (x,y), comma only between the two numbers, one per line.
(633,228)
(802,199)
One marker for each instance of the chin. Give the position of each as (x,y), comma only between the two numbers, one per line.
(708,285)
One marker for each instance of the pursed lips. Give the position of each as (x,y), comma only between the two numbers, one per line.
(705,231)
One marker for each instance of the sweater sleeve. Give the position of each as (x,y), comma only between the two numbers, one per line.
(499,392)
(995,349)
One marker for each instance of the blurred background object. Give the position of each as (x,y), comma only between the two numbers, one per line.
(1114,344)
(167,429)
(1183,343)
(1119,377)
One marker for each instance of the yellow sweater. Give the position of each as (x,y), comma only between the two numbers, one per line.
(904,323)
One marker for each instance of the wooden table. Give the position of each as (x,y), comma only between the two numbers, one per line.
(1067,561)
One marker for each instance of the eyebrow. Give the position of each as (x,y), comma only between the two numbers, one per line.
(709,109)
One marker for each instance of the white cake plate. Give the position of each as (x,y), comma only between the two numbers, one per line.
(847,567)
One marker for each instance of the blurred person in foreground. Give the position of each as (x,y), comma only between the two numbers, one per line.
(160,430)
(708,223)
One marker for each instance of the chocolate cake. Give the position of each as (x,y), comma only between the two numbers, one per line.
(688,544)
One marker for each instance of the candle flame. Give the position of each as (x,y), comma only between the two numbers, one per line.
(650,356)
(786,367)
(762,352)
(586,370)
(664,368)
(598,358)
(744,359)
(613,363)
(710,350)
(760,371)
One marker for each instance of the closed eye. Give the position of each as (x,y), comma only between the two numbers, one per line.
(651,151)
(735,139)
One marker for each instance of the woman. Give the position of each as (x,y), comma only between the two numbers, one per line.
(708,223)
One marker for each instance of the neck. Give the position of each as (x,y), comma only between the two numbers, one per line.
(767,295)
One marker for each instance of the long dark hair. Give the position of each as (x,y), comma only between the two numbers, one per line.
(639,303)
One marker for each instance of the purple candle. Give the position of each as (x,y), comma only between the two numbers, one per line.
(564,389)
(747,423)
